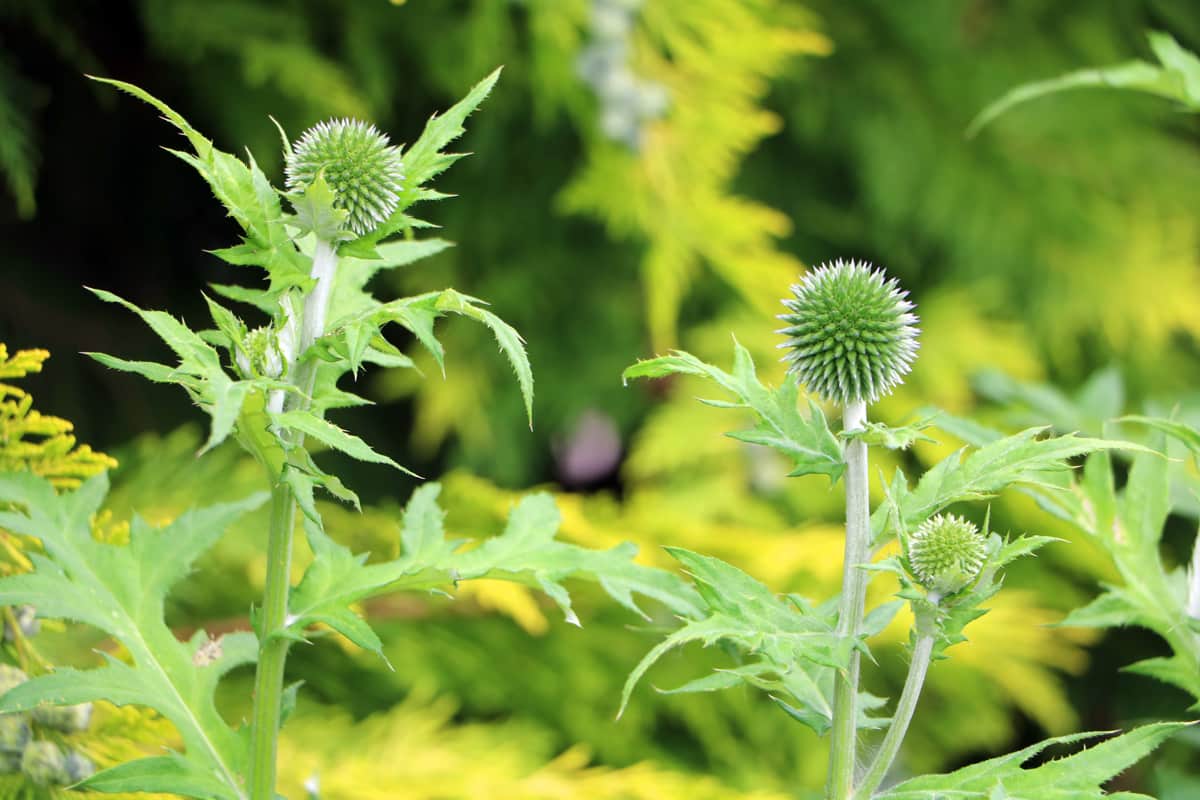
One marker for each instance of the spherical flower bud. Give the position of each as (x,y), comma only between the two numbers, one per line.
(360,166)
(44,763)
(67,719)
(850,332)
(946,553)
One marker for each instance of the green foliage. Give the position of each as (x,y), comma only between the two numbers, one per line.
(1175,77)
(121,590)
(1080,776)
(793,647)
(1129,525)
(807,441)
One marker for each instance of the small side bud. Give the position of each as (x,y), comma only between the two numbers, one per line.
(946,553)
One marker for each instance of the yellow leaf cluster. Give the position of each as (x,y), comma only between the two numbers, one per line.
(716,59)
(30,440)
(413,752)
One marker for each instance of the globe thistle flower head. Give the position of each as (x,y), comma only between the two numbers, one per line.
(361,167)
(946,553)
(851,334)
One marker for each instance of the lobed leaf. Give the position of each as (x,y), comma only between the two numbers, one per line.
(121,590)
(806,441)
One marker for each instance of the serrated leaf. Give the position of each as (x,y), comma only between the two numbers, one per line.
(1076,777)
(794,649)
(331,435)
(121,590)
(424,160)
(806,441)
(526,553)
(878,434)
(1021,459)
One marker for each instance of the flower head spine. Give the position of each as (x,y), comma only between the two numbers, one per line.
(851,334)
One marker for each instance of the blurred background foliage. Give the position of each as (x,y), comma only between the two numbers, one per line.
(647,175)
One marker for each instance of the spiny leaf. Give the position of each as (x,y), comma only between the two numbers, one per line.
(329,434)
(795,649)
(121,591)
(807,441)
(526,553)
(1077,777)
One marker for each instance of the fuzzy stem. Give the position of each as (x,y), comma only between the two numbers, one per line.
(844,740)
(272,657)
(922,652)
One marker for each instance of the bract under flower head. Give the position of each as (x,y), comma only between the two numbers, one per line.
(851,334)
(358,163)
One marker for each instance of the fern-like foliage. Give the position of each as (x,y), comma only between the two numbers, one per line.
(30,440)
(674,192)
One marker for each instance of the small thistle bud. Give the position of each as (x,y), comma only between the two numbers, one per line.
(260,354)
(44,763)
(79,766)
(67,719)
(946,553)
(850,332)
(10,676)
(360,166)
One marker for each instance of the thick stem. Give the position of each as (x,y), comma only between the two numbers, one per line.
(272,656)
(268,676)
(844,739)
(922,651)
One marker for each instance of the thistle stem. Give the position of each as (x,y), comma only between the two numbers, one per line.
(272,656)
(844,739)
(917,669)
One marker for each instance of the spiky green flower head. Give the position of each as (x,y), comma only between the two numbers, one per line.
(851,334)
(359,164)
(946,553)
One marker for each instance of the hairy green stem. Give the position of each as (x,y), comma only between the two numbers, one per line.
(272,656)
(922,652)
(844,739)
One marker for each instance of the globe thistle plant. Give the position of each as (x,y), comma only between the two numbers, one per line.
(851,334)
(359,164)
(946,553)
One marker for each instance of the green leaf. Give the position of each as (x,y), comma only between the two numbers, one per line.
(792,649)
(199,372)
(881,435)
(121,591)
(424,160)
(329,434)
(1076,777)
(807,441)
(1021,459)
(316,213)
(526,553)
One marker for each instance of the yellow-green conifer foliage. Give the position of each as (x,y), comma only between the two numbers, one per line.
(31,440)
